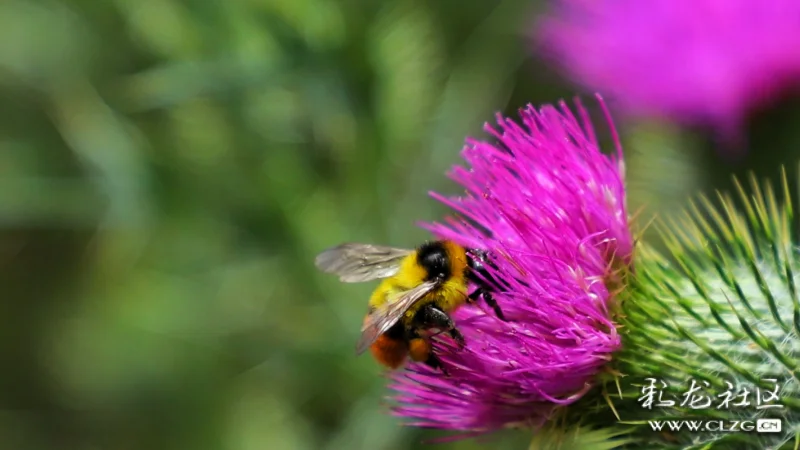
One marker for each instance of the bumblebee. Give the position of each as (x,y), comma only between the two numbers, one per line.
(419,291)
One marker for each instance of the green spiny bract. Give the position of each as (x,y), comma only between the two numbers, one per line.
(723,308)
(720,306)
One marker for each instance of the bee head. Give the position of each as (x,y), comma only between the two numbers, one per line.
(434,259)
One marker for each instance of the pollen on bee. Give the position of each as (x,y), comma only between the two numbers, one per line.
(419,349)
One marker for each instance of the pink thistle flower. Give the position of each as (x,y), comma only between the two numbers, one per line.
(696,62)
(550,209)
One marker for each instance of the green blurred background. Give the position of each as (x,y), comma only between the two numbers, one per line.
(170,168)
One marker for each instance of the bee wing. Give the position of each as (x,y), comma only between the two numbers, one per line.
(380,320)
(355,262)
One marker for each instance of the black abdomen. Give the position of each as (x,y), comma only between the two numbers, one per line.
(397,332)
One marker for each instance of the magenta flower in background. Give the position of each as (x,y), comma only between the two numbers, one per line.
(699,62)
(555,206)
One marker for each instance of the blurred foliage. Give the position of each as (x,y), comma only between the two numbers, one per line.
(170,169)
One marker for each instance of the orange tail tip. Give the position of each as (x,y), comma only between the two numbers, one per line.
(389,352)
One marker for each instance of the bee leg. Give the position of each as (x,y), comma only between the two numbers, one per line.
(478,264)
(430,316)
(435,363)
(490,301)
(420,349)
(457,336)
